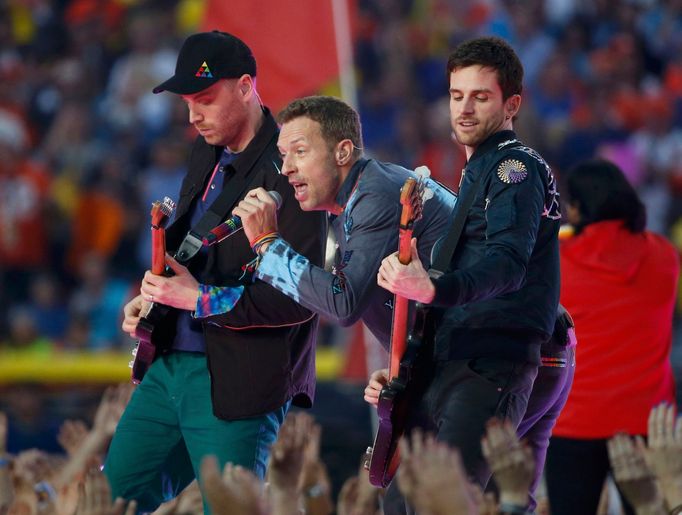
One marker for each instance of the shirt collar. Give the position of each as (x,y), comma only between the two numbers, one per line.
(492,143)
(351,180)
(245,160)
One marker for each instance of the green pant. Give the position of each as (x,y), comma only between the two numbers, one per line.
(169,426)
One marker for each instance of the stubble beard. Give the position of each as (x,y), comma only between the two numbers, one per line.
(482,132)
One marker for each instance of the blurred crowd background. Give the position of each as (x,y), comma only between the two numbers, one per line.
(85,147)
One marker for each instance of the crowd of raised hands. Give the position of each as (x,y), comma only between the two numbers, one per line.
(650,473)
(431,476)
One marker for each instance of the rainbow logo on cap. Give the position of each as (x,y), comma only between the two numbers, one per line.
(203,71)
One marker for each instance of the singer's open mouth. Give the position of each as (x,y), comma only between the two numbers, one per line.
(300,189)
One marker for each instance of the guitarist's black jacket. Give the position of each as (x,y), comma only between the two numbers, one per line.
(261,353)
(501,290)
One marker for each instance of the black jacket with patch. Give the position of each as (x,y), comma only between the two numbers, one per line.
(503,278)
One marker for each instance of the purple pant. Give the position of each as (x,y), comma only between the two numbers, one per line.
(550,391)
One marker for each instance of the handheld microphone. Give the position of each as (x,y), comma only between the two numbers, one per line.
(233,224)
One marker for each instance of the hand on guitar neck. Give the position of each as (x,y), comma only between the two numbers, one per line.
(178,291)
(410,281)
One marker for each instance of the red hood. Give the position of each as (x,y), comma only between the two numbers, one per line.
(608,248)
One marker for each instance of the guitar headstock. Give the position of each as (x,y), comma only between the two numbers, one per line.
(413,194)
(161,212)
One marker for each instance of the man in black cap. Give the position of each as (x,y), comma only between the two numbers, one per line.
(238,353)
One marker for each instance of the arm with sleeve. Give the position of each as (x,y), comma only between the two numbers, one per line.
(513,216)
(257,303)
(369,234)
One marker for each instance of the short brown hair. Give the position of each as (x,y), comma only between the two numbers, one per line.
(490,52)
(337,119)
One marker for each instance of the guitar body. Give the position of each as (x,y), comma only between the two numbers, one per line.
(398,398)
(149,342)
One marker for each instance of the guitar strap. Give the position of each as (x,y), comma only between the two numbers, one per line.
(447,249)
(214,215)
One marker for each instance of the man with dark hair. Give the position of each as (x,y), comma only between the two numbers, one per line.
(321,147)
(239,352)
(496,303)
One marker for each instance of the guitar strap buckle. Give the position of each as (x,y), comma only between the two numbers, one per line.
(188,248)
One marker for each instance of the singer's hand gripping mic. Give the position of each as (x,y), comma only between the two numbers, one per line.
(233,224)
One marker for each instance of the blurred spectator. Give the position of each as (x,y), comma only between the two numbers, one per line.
(99,298)
(129,101)
(24,186)
(47,307)
(24,336)
(162,178)
(658,146)
(98,221)
(618,282)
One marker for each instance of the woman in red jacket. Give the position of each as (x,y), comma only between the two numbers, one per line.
(619,283)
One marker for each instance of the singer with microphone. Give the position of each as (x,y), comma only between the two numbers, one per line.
(321,144)
(234,354)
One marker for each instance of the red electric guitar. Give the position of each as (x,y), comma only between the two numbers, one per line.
(146,349)
(409,363)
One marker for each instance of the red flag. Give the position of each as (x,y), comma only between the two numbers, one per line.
(298,45)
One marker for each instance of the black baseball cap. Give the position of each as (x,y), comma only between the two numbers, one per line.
(207,57)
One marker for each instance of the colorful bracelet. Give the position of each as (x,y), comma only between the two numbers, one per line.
(262,239)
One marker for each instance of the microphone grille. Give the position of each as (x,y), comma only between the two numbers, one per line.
(276,197)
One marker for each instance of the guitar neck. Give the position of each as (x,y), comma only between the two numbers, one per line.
(400,309)
(158,250)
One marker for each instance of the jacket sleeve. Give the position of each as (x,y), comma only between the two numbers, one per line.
(370,230)
(513,212)
(261,305)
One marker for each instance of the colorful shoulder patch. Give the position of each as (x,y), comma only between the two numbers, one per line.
(512,171)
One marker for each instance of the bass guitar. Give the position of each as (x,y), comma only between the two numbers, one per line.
(146,349)
(409,358)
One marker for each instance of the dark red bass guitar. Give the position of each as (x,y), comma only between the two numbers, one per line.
(147,345)
(410,360)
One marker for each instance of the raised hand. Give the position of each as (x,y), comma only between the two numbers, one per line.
(663,452)
(314,480)
(633,476)
(434,480)
(189,500)
(287,453)
(71,435)
(511,461)
(111,407)
(236,492)
(95,497)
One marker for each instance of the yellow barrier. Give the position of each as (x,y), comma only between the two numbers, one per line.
(106,367)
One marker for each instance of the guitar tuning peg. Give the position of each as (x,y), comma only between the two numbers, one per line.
(130,364)
(134,352)
(422,171)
